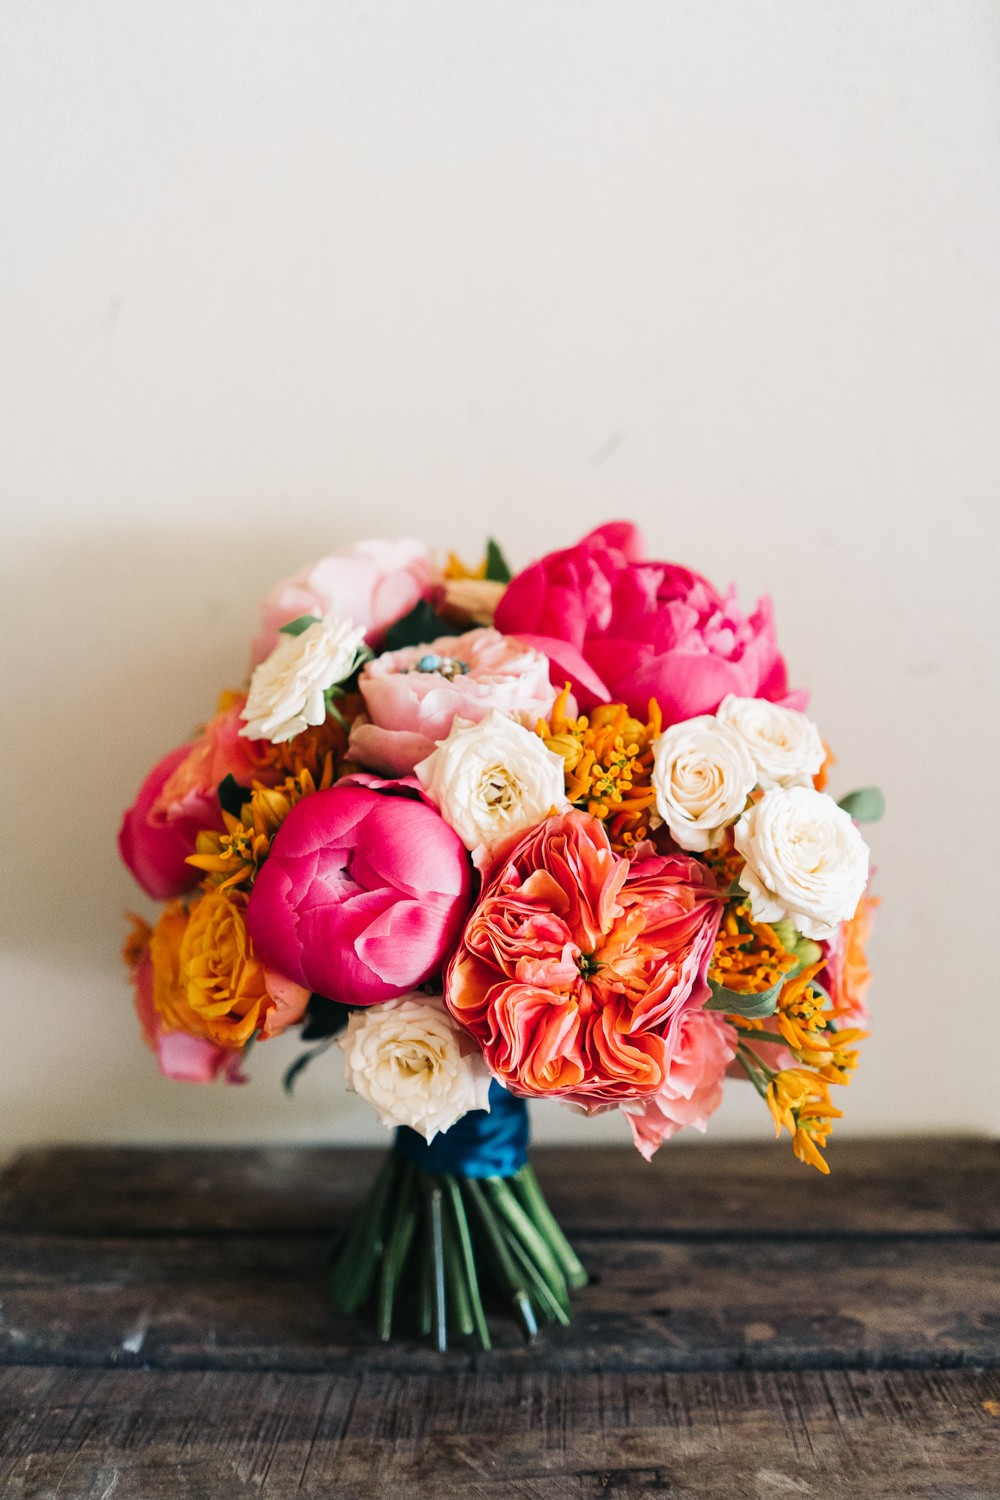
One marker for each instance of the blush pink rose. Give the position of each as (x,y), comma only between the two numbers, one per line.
(704,1046)
(155,847)
(414,696)
(576,966)
(182,1058)
(624,629)
(372,583)
(362,896)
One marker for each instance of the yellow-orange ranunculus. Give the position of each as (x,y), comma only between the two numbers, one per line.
(226,985)
(207,980)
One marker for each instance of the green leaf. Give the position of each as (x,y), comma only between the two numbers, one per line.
(865,805)
(232,796)
(300,623)
(421,625)
(324,1017)
(751,1007)
(497,570)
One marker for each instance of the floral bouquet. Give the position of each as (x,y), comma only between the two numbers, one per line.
(557,836)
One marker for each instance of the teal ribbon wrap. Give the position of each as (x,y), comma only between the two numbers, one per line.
(483,1143)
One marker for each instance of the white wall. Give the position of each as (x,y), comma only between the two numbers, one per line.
(277,276)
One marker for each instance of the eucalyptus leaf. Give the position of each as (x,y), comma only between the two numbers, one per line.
(298,625)
(421,625)
(232,796)
(751,1007)
(865,805)
(497,569)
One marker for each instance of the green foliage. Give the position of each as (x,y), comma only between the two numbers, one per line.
(421,625)
(232,796)
(750,1007)
(497,569)
(865,805)
(298,625)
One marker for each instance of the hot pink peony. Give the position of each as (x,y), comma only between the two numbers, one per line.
(155,847)
(414,696)
(362,896)
(577,966)
(704,1046)
(372,583)
(623,629)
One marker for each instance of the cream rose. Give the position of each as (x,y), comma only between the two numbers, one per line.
(784,744)
(702,775)
(286,690)
(409,1059)
(492,779)
(805,860)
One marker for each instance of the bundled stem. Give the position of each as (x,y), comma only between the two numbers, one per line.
(436,1242)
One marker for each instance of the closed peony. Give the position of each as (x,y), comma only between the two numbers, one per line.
(492,780)
(785,745)
(702,775)
(409,1059)
(805,860)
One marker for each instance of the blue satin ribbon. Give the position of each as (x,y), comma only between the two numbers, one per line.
(483,1143)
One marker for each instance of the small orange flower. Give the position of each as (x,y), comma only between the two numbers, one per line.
(609,765)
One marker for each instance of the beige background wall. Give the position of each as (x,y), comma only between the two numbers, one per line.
(274,277)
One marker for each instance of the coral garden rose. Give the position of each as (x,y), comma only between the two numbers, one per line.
(154,846)
(191,791)
(414,696)
(623,628)
(363,894)
(847,975)
(408,1058)
(373,583)
(805,860)
(576,965)
(704,1047)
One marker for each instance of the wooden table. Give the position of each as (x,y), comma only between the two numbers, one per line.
(752,1330)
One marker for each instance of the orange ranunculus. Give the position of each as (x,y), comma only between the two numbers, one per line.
(226,986)
(207,980)
(576,965)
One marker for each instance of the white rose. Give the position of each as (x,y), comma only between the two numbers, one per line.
(286,690)
(805,860)
(492,779)
(410,1060)
(702,775)
(785,745)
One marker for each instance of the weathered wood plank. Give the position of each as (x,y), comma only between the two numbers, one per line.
(259,1302)
(138,1435)
(876,1187)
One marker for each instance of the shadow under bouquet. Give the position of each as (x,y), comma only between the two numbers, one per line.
(558,836)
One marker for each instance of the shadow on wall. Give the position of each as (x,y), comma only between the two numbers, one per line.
(118,648)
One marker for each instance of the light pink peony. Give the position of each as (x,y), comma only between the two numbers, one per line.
(623,629)
(363,894)
(374,584)
(704,1046)
(155,847)
(576,966)
(182,1058)
(412,707)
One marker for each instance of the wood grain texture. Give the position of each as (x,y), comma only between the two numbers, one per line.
(876,1187)
(534,1435)
(752,1330)
(253,1302)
